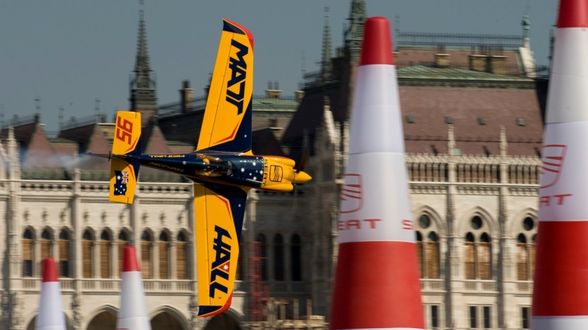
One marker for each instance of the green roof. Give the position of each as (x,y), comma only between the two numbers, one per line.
(425,75)
(288,104)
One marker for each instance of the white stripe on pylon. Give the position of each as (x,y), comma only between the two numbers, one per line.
(376,124)
(568,83)
(563,322)
(50,315)
(132,314)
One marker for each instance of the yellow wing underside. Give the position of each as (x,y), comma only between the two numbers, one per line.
(217,250)
(230,88)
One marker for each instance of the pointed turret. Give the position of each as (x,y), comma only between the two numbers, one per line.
(326,51)
(143,98)
(526,24)
(526,53)
(354,31)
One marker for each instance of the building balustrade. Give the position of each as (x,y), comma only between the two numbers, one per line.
(524,286)
(167,285)
(428,284)
(479,285)
(67,284)
(111,285)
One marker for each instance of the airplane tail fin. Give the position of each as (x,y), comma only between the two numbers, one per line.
(124,171)
(126,133)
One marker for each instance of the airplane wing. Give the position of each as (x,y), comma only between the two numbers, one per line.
(219,212)
(227,117)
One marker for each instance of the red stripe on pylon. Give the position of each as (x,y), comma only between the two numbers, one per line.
(561,271)
(573,13)
(130,263)
(377,42)
(49,273)
(377,286)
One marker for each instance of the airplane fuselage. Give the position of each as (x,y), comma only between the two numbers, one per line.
(254,171)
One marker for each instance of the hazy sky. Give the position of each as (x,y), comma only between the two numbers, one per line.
(70,53)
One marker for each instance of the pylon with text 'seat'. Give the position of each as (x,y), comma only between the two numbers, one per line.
(560,292)
(377,276)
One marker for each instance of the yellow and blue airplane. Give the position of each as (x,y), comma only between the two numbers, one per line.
(223,168)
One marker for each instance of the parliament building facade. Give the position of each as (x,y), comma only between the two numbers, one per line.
(472,108)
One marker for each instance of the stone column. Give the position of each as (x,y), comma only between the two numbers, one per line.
(195,322)
(76,256)
(173,267)
(13,284)
(155,263)
(37,255)
(503,256)
(248,245)
(135,224)
(451,258)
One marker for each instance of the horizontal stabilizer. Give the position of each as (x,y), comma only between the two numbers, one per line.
(124,172)
(123,181)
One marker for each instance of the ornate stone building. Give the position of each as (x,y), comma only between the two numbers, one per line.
(54,202)
(472,112)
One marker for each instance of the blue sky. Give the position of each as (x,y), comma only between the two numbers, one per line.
(69,53)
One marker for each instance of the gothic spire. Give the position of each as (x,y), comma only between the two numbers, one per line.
(326,51)
(354,31)
(142,85)
(142,67)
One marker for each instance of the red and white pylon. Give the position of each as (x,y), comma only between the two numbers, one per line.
(560,292)
(132,314)
(50,315)
(377,276)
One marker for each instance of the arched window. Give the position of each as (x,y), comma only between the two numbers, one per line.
(526,249)
(278,258)
(420,253)
(485,257)
(428,248)
(478,251)
(262,254)
(296,258)
(64,253)
(123,238)
(164,255)
(28,260)
(87,254)
(105,254)
(146,254)
(522,258)
(182,256)
(470,257)
(432,255)
(46,244)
